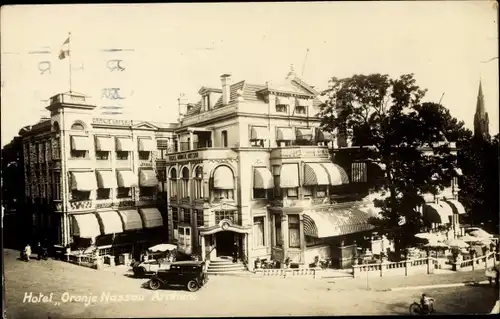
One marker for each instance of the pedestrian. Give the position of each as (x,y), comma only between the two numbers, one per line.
(235,252)
(27,252)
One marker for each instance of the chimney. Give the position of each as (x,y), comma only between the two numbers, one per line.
(182,104)
(226,91)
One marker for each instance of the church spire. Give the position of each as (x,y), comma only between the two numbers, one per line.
(480,100)
(481,120)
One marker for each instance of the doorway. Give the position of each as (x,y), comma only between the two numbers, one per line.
(224,242)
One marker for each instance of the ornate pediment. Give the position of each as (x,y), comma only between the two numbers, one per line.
(145,126)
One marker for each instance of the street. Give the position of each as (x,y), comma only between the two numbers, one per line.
(76,292)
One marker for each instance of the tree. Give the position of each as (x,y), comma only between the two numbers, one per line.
(387,118)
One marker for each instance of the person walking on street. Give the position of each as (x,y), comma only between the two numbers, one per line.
(235,252)
(27,252)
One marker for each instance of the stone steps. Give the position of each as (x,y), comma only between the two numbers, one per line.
(225,266)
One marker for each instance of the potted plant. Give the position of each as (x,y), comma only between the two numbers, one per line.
(258,263)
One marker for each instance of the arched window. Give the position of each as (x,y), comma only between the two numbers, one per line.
(77,127)
(223,183)
(173,182)
(198,182)
(185,183)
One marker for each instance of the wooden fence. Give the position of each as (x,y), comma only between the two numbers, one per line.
(425,265)
(482,262)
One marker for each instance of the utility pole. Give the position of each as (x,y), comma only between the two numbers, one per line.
(442,95)
(304,65)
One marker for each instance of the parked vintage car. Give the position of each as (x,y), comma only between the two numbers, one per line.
(149,267)
(190,274)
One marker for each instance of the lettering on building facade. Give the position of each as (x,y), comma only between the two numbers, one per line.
(117,122)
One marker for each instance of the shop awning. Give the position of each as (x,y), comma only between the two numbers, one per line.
(86,226)
(147,178)
(289,176)
(303,134)
(285,134)
(126,179)
(111,223)
(301,102)
(259,133)
(83,181)
(324,136)
(438,213)
(131,219)
(262,178)
(104,144)
(124,144)
(223,178)
(147,145)
(321,224)
(337,174)
(456,206)
(80,143)
(151,217)
(315,174)
(106,179)
(281,100)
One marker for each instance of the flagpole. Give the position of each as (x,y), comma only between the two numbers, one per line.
(69,53)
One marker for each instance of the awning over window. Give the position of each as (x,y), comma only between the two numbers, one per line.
(86,226)
(324,136)
(259,133)
(301,102)
(131,219)
(223,178)
(285,134)
(321,224)
(438,213)
(151,217)
(83,181)
(315,174)
(111,223)
(147,145)
(124,144)
(289,176)
(262,178)
(126,179)
(106,179)
(80,143)
(304,134)
(337,174)
(281,100)
(104,144)
(147,178)
(456,206)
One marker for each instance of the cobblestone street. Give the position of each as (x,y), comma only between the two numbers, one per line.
(223,296)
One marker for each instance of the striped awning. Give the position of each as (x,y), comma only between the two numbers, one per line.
(126,179)
(285,134)
(223,178)
(83,181)
(259,133)
(289,176)
(151,217)
(337,174)
(147,145)
(438,213)
(301,102)
(262,178)
(103,143)
(147,178)
(131,219)
(456,206)
(124,144)
(106,179)
(281,100)
(111,223)
(86,226)
(321,224)
(324,136)
(315,174)
(304,134)
(80,143)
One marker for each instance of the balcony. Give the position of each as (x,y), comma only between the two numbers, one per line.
(204,154)
(196,145)
(300,152)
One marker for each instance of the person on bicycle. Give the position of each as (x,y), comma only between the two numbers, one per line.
(427,303)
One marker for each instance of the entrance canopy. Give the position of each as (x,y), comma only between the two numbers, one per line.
(321,224)
(86,226)
(438,213)
(456,206)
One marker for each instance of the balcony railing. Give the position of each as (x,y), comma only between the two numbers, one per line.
(196,145)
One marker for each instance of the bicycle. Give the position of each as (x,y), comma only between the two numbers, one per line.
(417,310)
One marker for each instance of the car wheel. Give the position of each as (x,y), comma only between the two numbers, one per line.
(154,284)
(192,286)
(140,272)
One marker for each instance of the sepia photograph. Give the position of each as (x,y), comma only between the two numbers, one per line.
(329,158)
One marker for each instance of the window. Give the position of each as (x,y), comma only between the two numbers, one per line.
(358,172)
(223,193)
(224,138)
(278,234)
(102,155)
(258,231)
(162,174)
(77,195)
(198,182)
(79,154)
(186,215)
(225,214)
(259,193)
(292,192)
(123,192)
(320,192)
(147,191)
(185,183)
(277,187)
(56,152)
(56,184)
(281,108)
(257,143)
(103,193)
(173,182)
(121,155)
(293,231)
(77,127)
(299,109)
(175,221)
(144,156)
(199,217)
(307,192)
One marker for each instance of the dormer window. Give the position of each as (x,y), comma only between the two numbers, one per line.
(299,109)
(282,104)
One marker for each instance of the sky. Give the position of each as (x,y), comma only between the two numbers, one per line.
(177,48)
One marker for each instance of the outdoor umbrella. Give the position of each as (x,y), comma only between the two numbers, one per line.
(436,244)
(429,236)
(459,243)
(162,247)
(481,234)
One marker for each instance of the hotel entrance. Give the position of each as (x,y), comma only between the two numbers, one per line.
(224,242)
